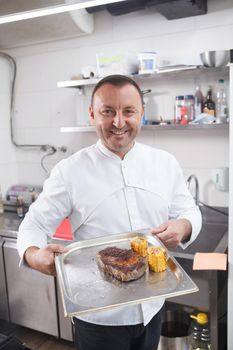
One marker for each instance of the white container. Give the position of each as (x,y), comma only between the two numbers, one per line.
(109,64)
(146,62)
(116,63)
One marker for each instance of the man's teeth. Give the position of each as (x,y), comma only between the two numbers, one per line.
(118,132)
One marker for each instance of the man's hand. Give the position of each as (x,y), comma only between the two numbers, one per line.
(42,259)
(173,232)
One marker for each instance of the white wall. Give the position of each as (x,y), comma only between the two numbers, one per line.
(41,108)
(8,165)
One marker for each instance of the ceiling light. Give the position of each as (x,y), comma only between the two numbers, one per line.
(19,16)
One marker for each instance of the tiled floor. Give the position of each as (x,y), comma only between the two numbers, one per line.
(35,340)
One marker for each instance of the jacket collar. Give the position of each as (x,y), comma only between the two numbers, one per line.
(103,149)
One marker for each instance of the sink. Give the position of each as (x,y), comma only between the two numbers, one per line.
(212,216)
(213,235)
(207,240)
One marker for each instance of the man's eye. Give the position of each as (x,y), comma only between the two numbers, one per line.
(107,112)
(129,112)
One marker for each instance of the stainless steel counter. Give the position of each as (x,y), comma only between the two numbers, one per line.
(9,224)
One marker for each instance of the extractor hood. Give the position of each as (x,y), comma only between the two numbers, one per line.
(171,9)
(42,29)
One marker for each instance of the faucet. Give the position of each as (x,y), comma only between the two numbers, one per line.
(196,197)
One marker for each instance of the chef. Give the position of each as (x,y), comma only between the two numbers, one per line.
(116,185)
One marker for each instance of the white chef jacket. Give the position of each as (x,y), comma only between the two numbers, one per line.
(102,194)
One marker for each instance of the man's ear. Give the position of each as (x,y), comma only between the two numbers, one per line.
(91,115)
(143,111)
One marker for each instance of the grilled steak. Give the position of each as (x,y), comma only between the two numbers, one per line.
(123,264)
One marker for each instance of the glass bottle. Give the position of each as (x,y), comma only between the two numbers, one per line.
(1,202)
(209,104)
(33,196)
(199,332)
(20,207)
(221,103)
(198,102)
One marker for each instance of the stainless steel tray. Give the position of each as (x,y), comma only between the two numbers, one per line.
(85,289)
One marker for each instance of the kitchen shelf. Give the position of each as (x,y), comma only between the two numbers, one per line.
(166,71)
(79,84)
(155,127)
(169,72)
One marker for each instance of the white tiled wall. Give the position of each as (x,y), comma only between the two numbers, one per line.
(41,108)
(8,165)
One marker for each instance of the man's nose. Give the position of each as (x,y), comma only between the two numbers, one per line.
(119,120)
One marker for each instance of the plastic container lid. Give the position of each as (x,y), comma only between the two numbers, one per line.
(189,97)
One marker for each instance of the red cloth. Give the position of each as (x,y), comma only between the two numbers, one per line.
(64,231)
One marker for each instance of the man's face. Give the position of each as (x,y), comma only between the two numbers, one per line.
(116,114)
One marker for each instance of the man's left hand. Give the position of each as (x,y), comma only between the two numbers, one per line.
(173,232)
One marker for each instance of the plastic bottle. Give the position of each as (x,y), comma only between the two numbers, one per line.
(179,103)
(189,103)
(198,102)
(200,332)
(221,103)
(1,202)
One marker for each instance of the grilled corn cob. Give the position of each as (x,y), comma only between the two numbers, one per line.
(139,245)
(157,259)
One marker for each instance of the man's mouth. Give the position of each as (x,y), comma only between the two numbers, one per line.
(118,132)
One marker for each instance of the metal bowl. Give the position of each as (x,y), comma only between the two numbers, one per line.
(215,58)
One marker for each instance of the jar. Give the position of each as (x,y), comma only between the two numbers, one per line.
(189,103)
(179,103)
(146,62)
(184,115)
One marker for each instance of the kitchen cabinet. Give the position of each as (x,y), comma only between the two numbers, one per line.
(170,81)
(31,294)
(4,311)
(27,297)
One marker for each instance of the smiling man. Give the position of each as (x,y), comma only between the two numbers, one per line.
(117,185)
(116,112)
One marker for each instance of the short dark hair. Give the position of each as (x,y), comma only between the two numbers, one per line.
(117,80)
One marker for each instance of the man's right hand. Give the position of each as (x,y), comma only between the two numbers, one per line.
(43,259)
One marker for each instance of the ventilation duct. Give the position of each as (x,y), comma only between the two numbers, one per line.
(42,29)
